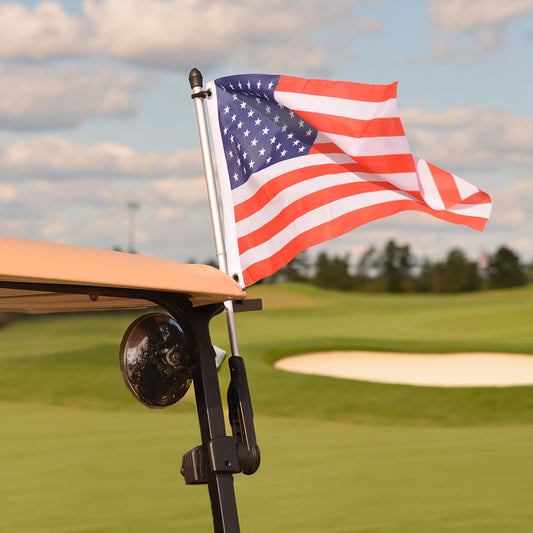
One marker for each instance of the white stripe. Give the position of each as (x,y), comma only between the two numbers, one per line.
(428,187)
(258,179)
(370,146)
(405,180)
(341,107)
(465,189)
(312,219)
(230,235)
(473,210)
(295,193)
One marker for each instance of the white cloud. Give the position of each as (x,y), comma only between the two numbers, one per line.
(59,97)
(483,24)
(270,34)
(470,15)
(59,158)
(45,32)
(177,34)
(481,139)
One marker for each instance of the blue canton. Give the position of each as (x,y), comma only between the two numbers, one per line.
(257,131)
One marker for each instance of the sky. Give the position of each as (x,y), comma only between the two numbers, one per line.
(96,114)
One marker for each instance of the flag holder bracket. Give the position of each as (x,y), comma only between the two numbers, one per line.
(202,94)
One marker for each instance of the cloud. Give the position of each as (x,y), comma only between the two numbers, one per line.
(45,32)
(479,139)
(178,34)
(58,158)
(60,97)
(482,23)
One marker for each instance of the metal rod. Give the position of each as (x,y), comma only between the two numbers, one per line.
(196,81)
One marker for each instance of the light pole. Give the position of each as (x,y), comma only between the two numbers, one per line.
(132,207)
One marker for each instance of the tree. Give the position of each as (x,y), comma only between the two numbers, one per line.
(460,274)
(332,273)
(505,269)
(394,265)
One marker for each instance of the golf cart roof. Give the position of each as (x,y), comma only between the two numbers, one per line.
(36,277)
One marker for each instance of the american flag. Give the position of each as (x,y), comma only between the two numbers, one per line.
(303,161)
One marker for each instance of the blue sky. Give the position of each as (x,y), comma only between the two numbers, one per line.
(96,112)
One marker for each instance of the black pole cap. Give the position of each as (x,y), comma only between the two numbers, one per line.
(195,78)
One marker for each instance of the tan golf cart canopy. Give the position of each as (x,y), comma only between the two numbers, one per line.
(37,277)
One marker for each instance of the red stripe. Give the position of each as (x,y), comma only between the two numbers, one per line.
(337,89)
(375,164)
(377,127)
(342,225)
(304,205)
(446,186)
(276,185)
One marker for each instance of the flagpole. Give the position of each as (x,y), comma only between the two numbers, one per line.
(196,82)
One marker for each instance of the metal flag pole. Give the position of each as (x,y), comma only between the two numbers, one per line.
(196,81)
(240,411)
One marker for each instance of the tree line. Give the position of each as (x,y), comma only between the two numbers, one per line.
(394,268)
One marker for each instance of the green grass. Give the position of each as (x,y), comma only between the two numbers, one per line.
(78,453)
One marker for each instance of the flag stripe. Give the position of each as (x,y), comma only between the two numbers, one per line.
(265,266)
(339,89)
(301,206)
(338,106)
(377,127)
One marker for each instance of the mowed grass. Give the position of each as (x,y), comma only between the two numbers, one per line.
(78,453)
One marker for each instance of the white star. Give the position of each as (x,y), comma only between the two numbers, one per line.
(244,155)
(250,113)
(225,130)
(268,160)
(251,164)
(278,146)
(239,85)
(231,86)
(276,119)
(243,105)
(301,149)
(265,131)
(233,117)
(249,85)
(290,136)
(254,142)
(301,123)
(258,121)
(259,84)
(239,125)
(284,127)
(230,153)
(296,142)
(273,140)
(226,109)
(309,132)
(262,151)
(291,113)
(270,85)
(284,153)
(268,109)
(246,133)
(236,176)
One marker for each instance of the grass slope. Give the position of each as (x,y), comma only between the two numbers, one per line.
(72,360)
(78,453)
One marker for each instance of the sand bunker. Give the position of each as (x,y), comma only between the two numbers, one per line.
(442,370)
